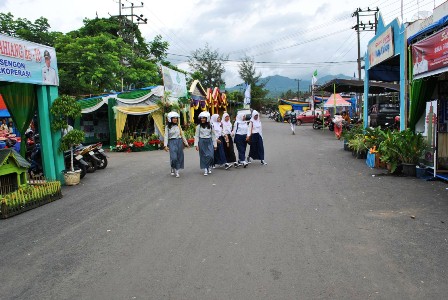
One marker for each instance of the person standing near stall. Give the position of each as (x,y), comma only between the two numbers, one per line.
(240,134)
(205,142)
(174,143)
(4,125)
(255,137)
(228,143)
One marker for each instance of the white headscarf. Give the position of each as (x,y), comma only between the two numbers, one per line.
(226,125)
(216,125)
(204,114)
(257,123)
(171,115)
(239,117)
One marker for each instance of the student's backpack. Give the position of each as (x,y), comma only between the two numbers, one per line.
(293,118)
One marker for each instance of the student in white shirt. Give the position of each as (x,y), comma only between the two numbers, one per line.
(220,155)
(255,138)
(227,137)
(174,143)
(240,134)
(205,142)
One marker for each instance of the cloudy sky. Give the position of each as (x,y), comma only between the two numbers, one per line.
(290,38)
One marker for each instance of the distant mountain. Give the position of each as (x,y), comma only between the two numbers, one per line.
(279,84)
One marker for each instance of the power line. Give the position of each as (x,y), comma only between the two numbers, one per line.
(292,35)
(270,62)
(302,43)
(171,34)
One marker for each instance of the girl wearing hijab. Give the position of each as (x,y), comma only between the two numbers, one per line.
(205,142)
(220,155)
(174,143)
(240,134)
(255,136)
(227,139)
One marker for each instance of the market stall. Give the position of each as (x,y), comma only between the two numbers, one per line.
(211,100)
(29,86)
(428,73)
(136,113)
(385,61)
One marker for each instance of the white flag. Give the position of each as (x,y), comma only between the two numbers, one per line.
(314,79)
(247,95)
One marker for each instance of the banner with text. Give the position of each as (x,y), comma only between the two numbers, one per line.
(27,62)
(381,48)
(430,54)
(174,82)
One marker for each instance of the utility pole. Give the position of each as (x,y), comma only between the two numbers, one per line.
(298,88)
(140,19)
(124,22)
(361,26)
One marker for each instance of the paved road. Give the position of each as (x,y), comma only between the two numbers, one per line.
(312,224)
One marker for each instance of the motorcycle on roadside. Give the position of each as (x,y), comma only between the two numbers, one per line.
(89,157)
(318,124)
(78,162)
(100,154)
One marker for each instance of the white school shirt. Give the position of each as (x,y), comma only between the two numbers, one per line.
(173,133)
(204,133)
(254,129)
(240,128)
(226,128)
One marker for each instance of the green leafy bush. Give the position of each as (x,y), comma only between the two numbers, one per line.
(63,108)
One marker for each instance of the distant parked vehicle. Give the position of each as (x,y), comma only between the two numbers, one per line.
(384,113)
(309,116)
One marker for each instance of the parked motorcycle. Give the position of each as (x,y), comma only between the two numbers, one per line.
(34,157)
(78,162)
(331,125)
(89,157)
(274,115)
(100,154)
(393,126)
(318,124)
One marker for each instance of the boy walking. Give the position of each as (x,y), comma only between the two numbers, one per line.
(293,121)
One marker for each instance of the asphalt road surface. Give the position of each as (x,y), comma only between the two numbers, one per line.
(312,224)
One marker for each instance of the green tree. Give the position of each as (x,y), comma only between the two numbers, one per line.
(158,48)
(93,65)
(37,32)
(248,73)
(210,64)
(94,59)
(289,94)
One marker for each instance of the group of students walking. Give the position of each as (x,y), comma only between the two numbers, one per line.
(214,140)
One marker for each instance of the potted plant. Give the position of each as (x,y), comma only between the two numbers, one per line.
(63,108)
(373,139)
(358,146)
(350,134)
(388,150)
(411,147)
(154,141)
(189,132)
